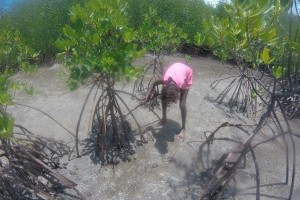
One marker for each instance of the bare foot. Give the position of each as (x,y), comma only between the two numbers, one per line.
(181,135)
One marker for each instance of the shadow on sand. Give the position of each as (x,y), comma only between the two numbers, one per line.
(113,154)
(164,134)
(161,134)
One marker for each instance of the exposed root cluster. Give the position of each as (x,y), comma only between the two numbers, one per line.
(114,128)
(269,104)
(289,94)
(27,167)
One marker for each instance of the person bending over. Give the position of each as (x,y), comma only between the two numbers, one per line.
(176,83)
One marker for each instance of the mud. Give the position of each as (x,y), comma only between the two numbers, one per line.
(166,167)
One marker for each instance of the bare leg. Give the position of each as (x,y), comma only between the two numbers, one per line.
(164,112)
(182,106)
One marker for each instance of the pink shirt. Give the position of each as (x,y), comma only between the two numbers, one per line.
(181,74)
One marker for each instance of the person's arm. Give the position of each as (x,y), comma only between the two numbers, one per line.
(156,83)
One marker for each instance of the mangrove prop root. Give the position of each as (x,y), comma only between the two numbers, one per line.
(111,119)
(153,71)
(226,170)
(29,167)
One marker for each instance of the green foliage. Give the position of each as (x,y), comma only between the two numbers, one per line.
(265,56)
(248,32)
(6,126)
(260,33)
(14,56)
(290,27)
(279,72)
(186,15)
(136,10)
(199,39)
(5,87)
(39,22)
(99,41)
(157,35)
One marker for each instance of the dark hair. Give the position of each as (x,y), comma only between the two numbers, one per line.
(170,92)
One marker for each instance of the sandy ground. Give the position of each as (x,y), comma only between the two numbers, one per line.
(166,167)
